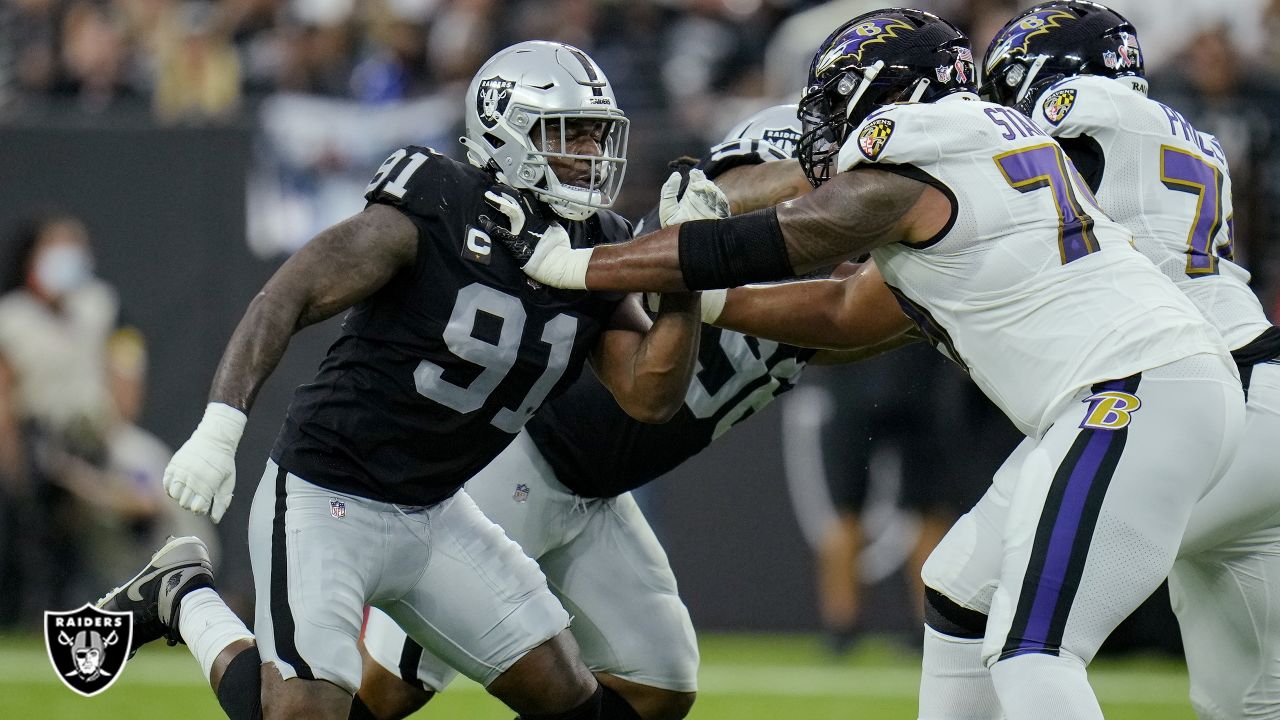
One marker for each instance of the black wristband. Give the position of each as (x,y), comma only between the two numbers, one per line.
(734,251)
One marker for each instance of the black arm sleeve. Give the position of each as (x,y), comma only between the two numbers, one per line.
(733,251)
(1086,154)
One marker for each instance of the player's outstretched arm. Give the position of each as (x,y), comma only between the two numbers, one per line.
(338,268)
(851,214)
(762,185)
(856,315)
(647,366)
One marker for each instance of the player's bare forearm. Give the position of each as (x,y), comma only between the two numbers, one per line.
(753,187)
(649,262)
(339,267)
(850,215)
(648,370)
(855,314)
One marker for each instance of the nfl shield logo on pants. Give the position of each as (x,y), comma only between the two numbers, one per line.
(88,647)
(338,509)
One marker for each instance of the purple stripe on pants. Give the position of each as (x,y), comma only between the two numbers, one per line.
(1063,538)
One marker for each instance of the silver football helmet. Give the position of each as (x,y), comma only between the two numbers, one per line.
(522,100)
(777,126)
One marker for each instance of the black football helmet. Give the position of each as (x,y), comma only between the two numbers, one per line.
(1054,40)
(878,58)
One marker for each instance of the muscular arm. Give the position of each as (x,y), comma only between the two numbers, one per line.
(647,366)
(856,315)
(752,187)
(339,267)
(848,216)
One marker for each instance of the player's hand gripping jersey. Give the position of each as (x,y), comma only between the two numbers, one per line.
(1031,287)
(435,373)
(1167,183)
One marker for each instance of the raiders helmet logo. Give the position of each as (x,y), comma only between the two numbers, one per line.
(88,647)
(492,99)
(1057,105)
(784,139)
(874,136)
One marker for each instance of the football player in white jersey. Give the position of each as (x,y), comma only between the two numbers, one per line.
(1076,69)
(992,244)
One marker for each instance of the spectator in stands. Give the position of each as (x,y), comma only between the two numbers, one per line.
(128,510)
(95,58)
(197,70)
(55,318)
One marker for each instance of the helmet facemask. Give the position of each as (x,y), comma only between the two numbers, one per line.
(573,182)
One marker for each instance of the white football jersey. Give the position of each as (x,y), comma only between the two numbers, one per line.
(1030,286)
(1169,185)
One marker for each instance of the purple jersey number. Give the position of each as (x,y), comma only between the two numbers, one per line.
(1044,166)
(1189,173)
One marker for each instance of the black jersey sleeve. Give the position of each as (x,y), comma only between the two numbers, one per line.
(417,180)
(735,153)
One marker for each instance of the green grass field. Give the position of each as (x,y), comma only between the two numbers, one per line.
(743,677)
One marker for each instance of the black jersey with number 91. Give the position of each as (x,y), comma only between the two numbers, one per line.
(436,371)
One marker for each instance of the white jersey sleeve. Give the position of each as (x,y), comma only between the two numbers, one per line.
(1169,185)
(1030,286)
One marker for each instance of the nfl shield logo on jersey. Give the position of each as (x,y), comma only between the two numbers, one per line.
(337,509)
(872,139)
(88,647)
(521,494)
(1057,105)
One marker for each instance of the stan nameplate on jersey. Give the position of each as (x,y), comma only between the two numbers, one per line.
(88,647)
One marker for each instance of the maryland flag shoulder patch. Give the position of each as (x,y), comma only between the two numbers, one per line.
(1057,105)
(874,136)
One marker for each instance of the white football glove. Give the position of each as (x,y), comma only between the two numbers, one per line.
(701,200)
(202,474)
(553,260)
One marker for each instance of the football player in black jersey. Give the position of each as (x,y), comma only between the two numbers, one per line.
(447,351)
(562,489)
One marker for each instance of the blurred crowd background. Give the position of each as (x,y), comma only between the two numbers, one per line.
(875,460)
